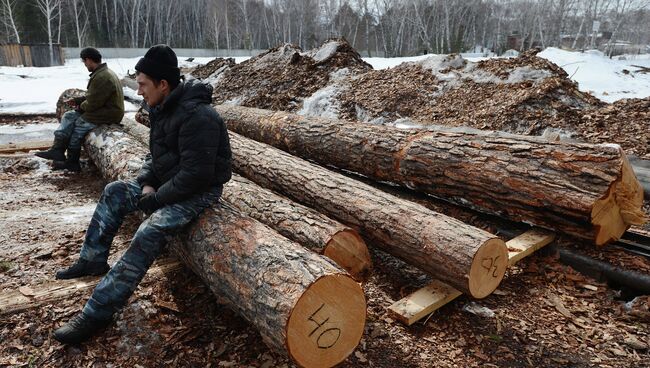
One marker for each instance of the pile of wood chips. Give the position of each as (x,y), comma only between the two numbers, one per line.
(524,95)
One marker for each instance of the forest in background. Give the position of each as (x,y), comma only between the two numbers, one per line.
(392,27)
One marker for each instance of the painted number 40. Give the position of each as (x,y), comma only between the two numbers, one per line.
(324,336)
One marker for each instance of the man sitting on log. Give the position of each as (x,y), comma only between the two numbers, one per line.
(103,104)
(184,173)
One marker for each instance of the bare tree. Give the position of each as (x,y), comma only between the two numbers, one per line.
(7,12)
(80,17)
(50,10)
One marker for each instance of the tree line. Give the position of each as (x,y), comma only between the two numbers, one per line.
(390,27)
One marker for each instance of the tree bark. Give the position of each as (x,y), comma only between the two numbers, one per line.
(470,259)
(586,190)
(301,224)
(300,303)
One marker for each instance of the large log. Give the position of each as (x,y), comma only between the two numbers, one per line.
(301,303)
(468,258)
(586,190)
(301,224)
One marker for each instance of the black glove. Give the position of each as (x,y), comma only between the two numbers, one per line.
(148,203)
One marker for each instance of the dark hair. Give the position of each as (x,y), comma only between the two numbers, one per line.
(92,54)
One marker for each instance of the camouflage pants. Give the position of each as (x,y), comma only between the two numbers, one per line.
(73,129)
(119,199)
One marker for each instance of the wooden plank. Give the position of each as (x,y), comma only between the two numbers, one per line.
(25,146)
(27,297)
(430,298)
(525,244)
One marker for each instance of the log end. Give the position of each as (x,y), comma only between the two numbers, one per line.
(349,251)
(488,268)
(327,322)
(620,207)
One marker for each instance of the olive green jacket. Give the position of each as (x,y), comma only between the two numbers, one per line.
(104,98)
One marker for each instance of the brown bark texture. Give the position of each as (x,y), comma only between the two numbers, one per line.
(259,273)
(436,243)
(556,185)
(294,221)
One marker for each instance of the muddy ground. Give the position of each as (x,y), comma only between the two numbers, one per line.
(543,314)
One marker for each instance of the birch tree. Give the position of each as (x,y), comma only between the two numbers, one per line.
(7,12)
(50,10)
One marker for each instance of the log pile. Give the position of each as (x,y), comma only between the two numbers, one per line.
(470,259)
(584,190)
(292,296)
(301,224)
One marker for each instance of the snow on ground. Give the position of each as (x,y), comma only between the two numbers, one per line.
(603,77)
(29,132)
(29,90)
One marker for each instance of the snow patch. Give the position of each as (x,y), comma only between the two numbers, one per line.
(436,63)
(322,103)
(326,51)
(29,128)
(406,123)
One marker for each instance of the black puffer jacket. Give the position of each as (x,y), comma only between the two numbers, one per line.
(188,143)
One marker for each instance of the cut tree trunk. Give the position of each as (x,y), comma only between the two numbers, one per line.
(586,190)
(301,224)
(300,303)
(468,258)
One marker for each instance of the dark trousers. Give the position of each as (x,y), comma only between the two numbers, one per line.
(119,199)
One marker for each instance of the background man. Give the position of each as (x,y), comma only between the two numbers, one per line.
(184,173)
(103,104)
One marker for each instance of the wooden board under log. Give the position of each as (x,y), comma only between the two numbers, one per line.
(587,190)
(436,294)
(301,224)
(301,303)
(470,259)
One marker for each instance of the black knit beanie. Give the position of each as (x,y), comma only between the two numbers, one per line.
(91,53)
(160,62)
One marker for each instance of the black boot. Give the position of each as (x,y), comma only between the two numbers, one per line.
(56,152)
(83,268)
(71,163)
(79,329)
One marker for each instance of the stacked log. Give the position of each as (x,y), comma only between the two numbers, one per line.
(470,259)
(587,190)
(303,225)
(301,303)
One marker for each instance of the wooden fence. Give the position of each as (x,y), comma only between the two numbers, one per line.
(30,55)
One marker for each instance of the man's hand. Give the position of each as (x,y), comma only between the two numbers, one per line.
(148,203)
(71,103)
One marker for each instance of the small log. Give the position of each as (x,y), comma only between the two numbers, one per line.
(586,190)
(300,303)
(301,224)
(470,259)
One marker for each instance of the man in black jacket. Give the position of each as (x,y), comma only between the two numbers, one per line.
(184,173)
